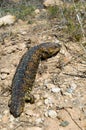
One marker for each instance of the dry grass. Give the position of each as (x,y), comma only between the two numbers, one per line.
(72,18)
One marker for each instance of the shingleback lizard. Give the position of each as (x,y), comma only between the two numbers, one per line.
(25,75)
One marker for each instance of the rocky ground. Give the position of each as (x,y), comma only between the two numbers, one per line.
(60,84)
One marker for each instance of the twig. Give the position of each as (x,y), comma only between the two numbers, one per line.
(65,108)
(76,75)
(73,119)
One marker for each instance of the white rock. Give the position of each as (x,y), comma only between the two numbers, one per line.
(37,11)
(55,90)
(23,32)
(48,101)
(39,120)
(21,46)
(8,19)
(3,76)
(46,114)
(6,111)
(10,49)
(52,114)
(73,86)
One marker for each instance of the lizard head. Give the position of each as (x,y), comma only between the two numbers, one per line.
(49,49)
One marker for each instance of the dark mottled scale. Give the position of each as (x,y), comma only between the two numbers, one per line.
(25,74)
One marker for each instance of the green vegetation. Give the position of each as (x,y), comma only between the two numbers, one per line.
(71,19)
(53,11)
(20,10)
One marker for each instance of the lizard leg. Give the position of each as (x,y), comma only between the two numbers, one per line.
(29,97)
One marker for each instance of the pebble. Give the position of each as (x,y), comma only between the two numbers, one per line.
(37,11)
(6,112)
(64,123)
(9,50)
(21,46)
(39,120)
(3,76)
(46,114)
(72,87)
(48,101)
(52,113)
(37,96)
(23,32)
(55,90)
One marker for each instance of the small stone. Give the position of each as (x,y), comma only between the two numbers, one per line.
(37,11)
(64,123)
(73,86)
(3,76)
(21,46)
(48,101)
(6,112)
(23,32)
(39,120)
(57,41)
(46,114)
(37,96)
(7,20)
(43,10)
(52,114)
(55,90)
